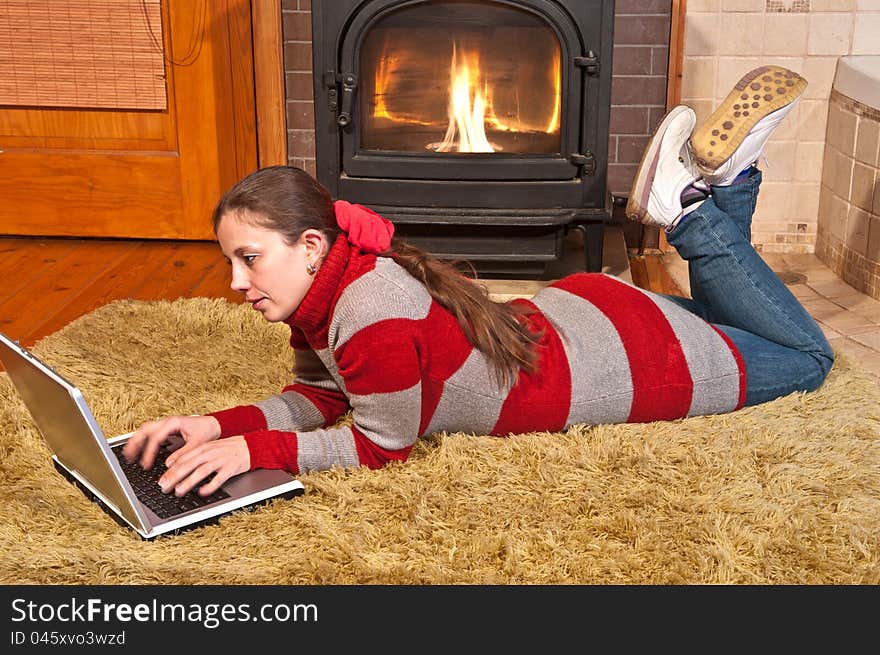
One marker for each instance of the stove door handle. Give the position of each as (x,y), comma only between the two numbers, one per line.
(349,84)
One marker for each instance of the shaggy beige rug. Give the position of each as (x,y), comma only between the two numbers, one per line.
(786,493)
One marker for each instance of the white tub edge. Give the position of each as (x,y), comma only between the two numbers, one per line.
(858,77)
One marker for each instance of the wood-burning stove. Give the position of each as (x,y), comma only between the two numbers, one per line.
(480,127)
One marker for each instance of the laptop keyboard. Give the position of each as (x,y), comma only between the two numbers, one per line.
(146,487)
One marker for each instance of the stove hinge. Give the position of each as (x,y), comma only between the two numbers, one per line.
(590,63)
(587,160)
(343,107)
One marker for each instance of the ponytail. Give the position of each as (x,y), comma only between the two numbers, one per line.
(498,330)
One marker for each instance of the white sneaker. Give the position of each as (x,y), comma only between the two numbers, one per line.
(665,171)
(733,137)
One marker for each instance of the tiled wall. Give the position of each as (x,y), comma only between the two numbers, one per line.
(638,95)
(849,204)
(726,38)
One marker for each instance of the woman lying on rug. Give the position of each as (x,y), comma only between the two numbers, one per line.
(411,347)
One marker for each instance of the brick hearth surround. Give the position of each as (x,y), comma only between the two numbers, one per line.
(638,89)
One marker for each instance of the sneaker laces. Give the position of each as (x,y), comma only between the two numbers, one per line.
(688,161)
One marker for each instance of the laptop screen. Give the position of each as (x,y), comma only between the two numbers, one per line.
(66,423)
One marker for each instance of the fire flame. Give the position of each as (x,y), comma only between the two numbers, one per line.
(466,131)
(556,115)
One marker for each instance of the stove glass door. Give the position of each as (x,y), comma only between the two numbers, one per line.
(473,83)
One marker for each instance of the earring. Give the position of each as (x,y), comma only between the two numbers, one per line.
(311,268)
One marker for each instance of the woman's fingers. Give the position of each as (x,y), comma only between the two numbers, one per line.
(158,435)
(212,485)
(145,443)
(150,448)
(191,466)
(133,446)
(198,474)
(180,452)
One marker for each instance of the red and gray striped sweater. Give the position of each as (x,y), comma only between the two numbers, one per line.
(368,337)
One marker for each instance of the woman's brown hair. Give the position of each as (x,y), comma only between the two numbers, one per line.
(288,200)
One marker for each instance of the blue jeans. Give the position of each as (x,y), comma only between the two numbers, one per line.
(734,289)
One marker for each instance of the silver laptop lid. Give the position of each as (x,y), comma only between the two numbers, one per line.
(70,430)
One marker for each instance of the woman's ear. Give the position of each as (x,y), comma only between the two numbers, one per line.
(315,243)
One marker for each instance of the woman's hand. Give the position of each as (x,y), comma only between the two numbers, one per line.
(187,467)
(145,442)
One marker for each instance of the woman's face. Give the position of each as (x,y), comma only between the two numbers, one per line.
(270,272)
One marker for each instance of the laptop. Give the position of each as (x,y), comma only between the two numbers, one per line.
(96,465)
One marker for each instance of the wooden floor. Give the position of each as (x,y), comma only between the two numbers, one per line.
(48,282)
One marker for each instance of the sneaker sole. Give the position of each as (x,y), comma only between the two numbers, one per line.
(637,205)
(759,93)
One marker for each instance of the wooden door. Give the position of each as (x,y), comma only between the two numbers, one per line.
(141,173)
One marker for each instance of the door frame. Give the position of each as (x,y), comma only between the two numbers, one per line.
(269,82)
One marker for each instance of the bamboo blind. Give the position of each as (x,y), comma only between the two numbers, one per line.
(82,53)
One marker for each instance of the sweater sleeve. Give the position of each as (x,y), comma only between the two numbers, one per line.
(312,400)
(381,371)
